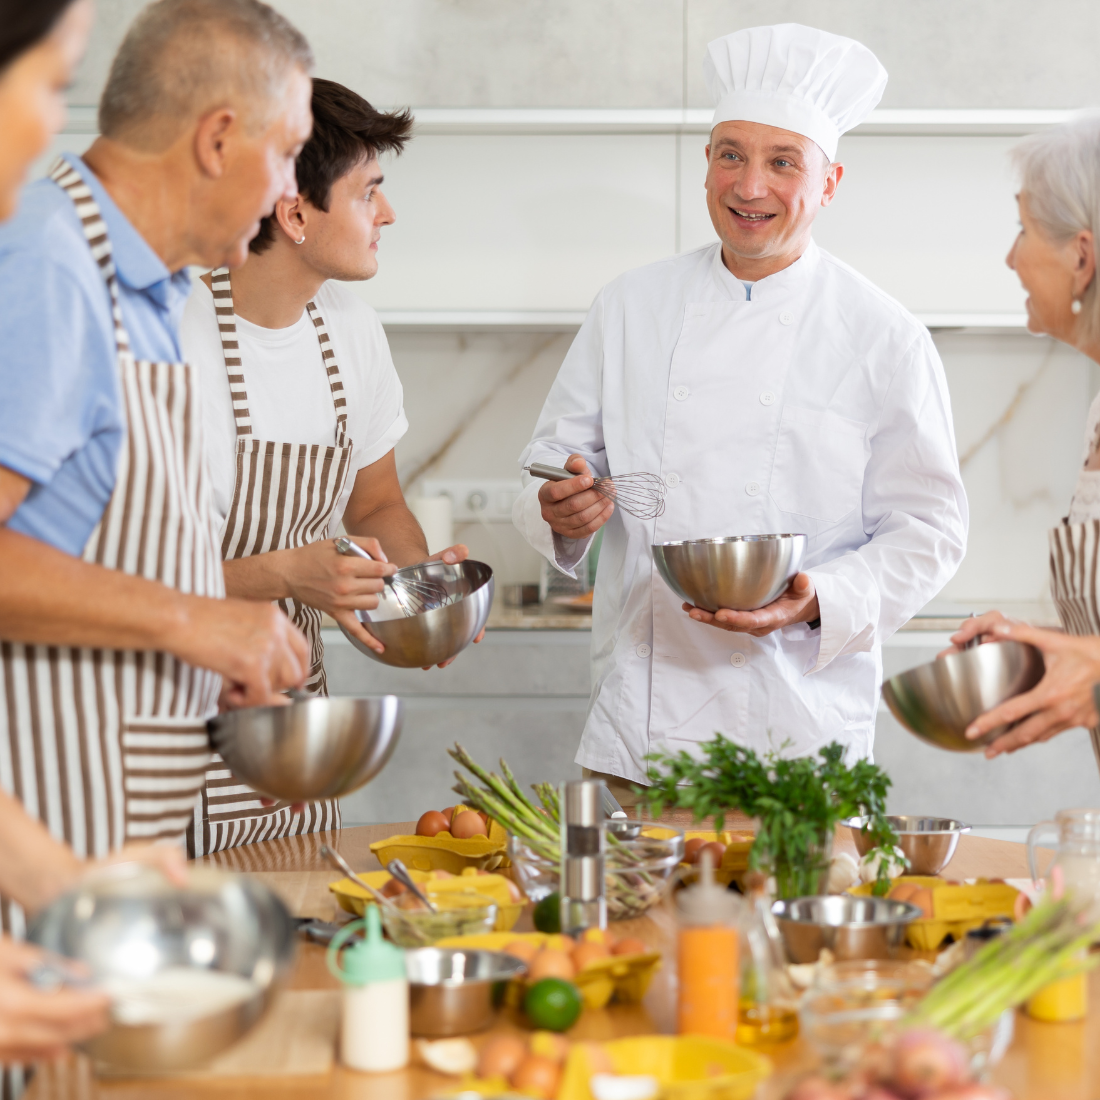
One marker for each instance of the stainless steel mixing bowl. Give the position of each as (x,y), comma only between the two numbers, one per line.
(928,842)
(739,572)
(322,747)
(850,927)
(937,701)
(453,992)
(128,923)
(433,636)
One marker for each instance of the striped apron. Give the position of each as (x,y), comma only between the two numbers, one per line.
(284,496)
(110,746)
(1074,573)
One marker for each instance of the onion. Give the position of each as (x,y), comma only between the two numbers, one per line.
(927,1062)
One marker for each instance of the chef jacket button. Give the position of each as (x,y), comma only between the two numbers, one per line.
(786,317)
(767,398)
(752,488)
(681,393)
(643,650)
(672,480)
(737,660)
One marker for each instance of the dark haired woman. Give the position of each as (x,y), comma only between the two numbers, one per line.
(302,408)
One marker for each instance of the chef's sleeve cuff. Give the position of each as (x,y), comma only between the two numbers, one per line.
(565,554)
(847,623)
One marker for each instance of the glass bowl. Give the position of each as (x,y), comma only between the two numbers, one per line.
(638,869)
(415,925)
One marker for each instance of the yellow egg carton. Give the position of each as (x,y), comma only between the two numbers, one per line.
(687,1067)
(444,853)
(624,977)
(734,863)
(956,907)
(354,899)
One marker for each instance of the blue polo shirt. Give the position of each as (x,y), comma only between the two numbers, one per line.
(62,425)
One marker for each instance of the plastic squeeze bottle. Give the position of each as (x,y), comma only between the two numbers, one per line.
(374,1029)
(708,959)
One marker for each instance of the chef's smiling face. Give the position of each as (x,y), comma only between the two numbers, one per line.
(764,189)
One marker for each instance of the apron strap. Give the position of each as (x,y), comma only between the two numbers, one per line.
(72,183)
(227,328)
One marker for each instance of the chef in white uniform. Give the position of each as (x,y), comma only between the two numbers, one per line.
(774,389)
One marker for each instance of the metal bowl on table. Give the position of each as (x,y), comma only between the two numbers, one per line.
(938,700)
(850,927)
(928,842)
(739,572)
(189,970)
(453,991)
(318,747)
(435,635)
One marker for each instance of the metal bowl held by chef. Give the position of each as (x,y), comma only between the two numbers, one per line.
(739,572)
(937,701)
(929,843)
(850,927)
(418,641)
(454,992)
(189,970)
(320,747)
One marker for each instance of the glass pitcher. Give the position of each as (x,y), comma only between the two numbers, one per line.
(1077,852)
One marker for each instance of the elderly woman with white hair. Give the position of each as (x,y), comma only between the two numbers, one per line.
(1055,256)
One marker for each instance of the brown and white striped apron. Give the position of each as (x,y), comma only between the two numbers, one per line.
(110,746)
(284,496)
(1074,577)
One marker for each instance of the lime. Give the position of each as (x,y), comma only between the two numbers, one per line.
(553,1004)
(547,915)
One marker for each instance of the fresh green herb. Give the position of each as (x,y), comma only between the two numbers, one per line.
(1049,944)
(799,802)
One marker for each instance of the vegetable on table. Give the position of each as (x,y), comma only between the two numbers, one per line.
(799,802)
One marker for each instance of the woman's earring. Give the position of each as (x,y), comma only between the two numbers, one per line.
(1074,306)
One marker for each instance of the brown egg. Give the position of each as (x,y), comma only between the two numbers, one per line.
(537,1076)
(521,949)
(629,945)
(717,851)
(392,888)
(431,823)
(586,953)
(691,849)
(514,892)
(466,825)
(484,818)
(448,813)
(549,963)
(922,899)
(598,1058)
(501,1056)
(902,891)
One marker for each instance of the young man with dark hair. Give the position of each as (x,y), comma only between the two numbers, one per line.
(302,408)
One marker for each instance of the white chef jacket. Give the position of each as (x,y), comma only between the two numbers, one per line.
(820,406)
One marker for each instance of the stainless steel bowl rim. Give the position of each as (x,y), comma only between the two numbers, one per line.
(508,966)
(955,827)
(903,915)
(732,538)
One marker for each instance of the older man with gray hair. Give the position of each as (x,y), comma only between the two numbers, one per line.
(117,634)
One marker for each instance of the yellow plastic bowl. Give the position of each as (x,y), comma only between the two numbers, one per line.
(444,853)
(687,1067)
(354,899)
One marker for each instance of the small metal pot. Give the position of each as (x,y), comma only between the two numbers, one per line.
(850,927)
(454,992)
(928,842)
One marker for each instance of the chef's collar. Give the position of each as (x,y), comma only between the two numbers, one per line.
(138,267)
(783,281)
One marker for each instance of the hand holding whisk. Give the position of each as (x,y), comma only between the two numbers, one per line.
(640,494)
(414,595)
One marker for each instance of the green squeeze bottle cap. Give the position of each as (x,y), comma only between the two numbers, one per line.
(372,960)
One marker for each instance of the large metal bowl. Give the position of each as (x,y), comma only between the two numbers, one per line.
(928,842)
(453,992)
(937,701)
(314,748)
(418,641)
(739,572)
(850,927)
(128,924)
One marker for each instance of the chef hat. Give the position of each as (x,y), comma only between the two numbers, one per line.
(794,77)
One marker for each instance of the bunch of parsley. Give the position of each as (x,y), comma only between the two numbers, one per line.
(798,801)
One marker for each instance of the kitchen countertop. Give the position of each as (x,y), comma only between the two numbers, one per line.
(1045,1061)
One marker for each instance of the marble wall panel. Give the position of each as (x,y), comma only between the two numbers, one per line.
(939,53)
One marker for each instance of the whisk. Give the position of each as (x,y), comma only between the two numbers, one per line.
(642,495)
(414,597)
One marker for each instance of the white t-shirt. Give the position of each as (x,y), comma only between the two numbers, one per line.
(289,399)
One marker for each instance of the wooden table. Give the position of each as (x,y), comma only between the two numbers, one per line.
(1045,1062)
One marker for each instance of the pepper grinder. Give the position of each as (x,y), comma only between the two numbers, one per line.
(582,867)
